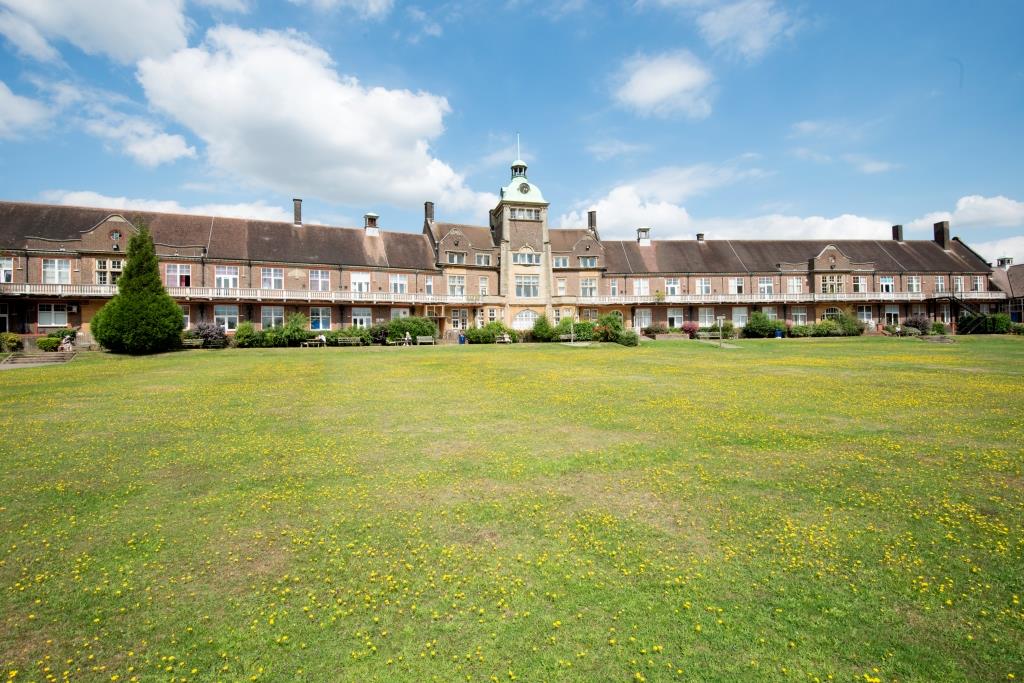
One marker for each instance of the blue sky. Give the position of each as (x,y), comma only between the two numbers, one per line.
(738,118)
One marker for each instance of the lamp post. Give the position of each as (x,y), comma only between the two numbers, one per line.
(720,319)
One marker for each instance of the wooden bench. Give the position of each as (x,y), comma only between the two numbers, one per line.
(192,343)
(503,338)
(708,335)
(424,340)
(313,343)
(565,337)
(350,341)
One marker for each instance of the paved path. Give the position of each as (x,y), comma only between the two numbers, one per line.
(714,342)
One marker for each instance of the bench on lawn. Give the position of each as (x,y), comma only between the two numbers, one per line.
(192,343)
(314,343)
(503,338)
(565,337)
(350,341)
(421,339)
(709,335)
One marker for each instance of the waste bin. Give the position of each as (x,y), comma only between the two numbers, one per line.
(778,334)
(462,338)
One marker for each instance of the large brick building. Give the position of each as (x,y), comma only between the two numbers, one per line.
(59,264)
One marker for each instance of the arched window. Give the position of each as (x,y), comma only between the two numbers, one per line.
(832,313)
(524,320)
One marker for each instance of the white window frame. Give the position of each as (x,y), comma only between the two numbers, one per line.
(525,319)
(273,313)
(108,270)
(56,271)
(641,287)
(526,258)
(588,286)
(428,285)
(561,286)
(892,314)
(271,278)
(676,317)
(795,285)
(769,312)
(735,285)
(642,318)
(588,262)
(561,261)
(319,280)
(886,284)
(456,258)
(56,315)
(706,316)
(940,284)
(397,313)
(178,274)
(484,285)
(671,286)
(833,284)
(319,318)
(866,314)
(799,314)
(702,286)
(527,286)
(6,269)
(492,315)
(977,283)
(362,318)
(860,284)
(483,259)
(186,315)
(958,284)
(739,316)
(226,316)
(613,288)
(360,281)
(456,285)
(460,318)
(226,277)
(914,284)
(399,283)
(765,285)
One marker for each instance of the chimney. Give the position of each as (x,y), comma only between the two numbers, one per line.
(297,204)
(700,237)
(592,221)
(370,224)
(897,233)
(643,237)
(428,212)
(1005,262)
(942,234)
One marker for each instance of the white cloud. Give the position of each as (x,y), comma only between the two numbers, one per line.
(125,30)
(368,9)
(257,210)
(426,25)
(830,129)
(24,36)
(975,211)
(781,226)
(19,114)
(867,165)
(273,111)
(137,137)
(603,150)
(748,28)
(808,154)
(665,84)
(995,249)
(240,6)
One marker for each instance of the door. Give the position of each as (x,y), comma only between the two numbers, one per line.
(3,318)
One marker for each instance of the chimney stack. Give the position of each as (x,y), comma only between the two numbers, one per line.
(942,234)
(370,224)
(428,212)
(700,237)
(297,204)
(643,237)
(592,221)
(1005,262)
(897,233)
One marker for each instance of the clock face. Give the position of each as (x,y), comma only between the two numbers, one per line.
(524,188)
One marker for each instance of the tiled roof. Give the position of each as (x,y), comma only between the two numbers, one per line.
(479,236)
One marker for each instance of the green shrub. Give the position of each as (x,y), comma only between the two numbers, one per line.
(1017,328)
(652,330)
(908,331)
(938,327)
(849,326)
(921,323)
(542,330)
(727,329)
(142,317)
(47,343)
(62,332)
(378,333)
(1000,323)
(609,327)
(628,338)
(415,326)
(801,331)
(211,333)
(826,328)
(10,342)
(333,336)
(584,331)
(247,336)
(489,333)
(760,326)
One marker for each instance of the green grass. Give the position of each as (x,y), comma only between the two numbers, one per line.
(793,510)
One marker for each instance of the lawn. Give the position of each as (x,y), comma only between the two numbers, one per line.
(798,510)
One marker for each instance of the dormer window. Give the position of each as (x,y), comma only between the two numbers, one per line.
(588,262)
(456,257)
(526,258)
(561,262)
(524,214)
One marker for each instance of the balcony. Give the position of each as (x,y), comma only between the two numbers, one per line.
(801,298)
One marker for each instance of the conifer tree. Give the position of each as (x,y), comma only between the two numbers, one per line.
(142,318)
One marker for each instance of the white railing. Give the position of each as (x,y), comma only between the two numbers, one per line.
(59,290)
(806,297)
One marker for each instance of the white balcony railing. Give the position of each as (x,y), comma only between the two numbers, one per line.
(805,297)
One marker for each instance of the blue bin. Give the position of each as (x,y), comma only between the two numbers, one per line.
(778,334)
(462,338)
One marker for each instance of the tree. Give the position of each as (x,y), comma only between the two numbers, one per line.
(142,318)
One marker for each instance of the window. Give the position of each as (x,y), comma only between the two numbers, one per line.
(226,277)
(457,285)
(613,287)
(588,262)
(641,287)
(397,313)
(484,285)
(320,318)
(524,320)
(940,284)
(860,284)
(179,275)
(769,312)
(526,258)
(527,286)
(272,316)
(918,309)
(524,214)
(362,318)
(958,283)
(6,270)
(360,282)
(765,286)
(944,313)
(561,262)
(735,285)
(831,313)
(590,314)
(399,284)
(557,316)
(831,284)
(53,315)
(186,315)
(795,285)
(483,259)
(865,315)
(272,278)
(226,317)
(492,314)
(560,286)
(671,286)
(886,284)
(739,316)
(676,317)
(706,316)
(456,257)
(977,284)
(799,315)
(56,271)
(588,286)
(319,281)
(703,285)
(428,285)
(108,270)
(914,283)
(892,314)
(460,318)
(642,318)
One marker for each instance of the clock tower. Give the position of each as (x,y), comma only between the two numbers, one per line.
(519,225)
